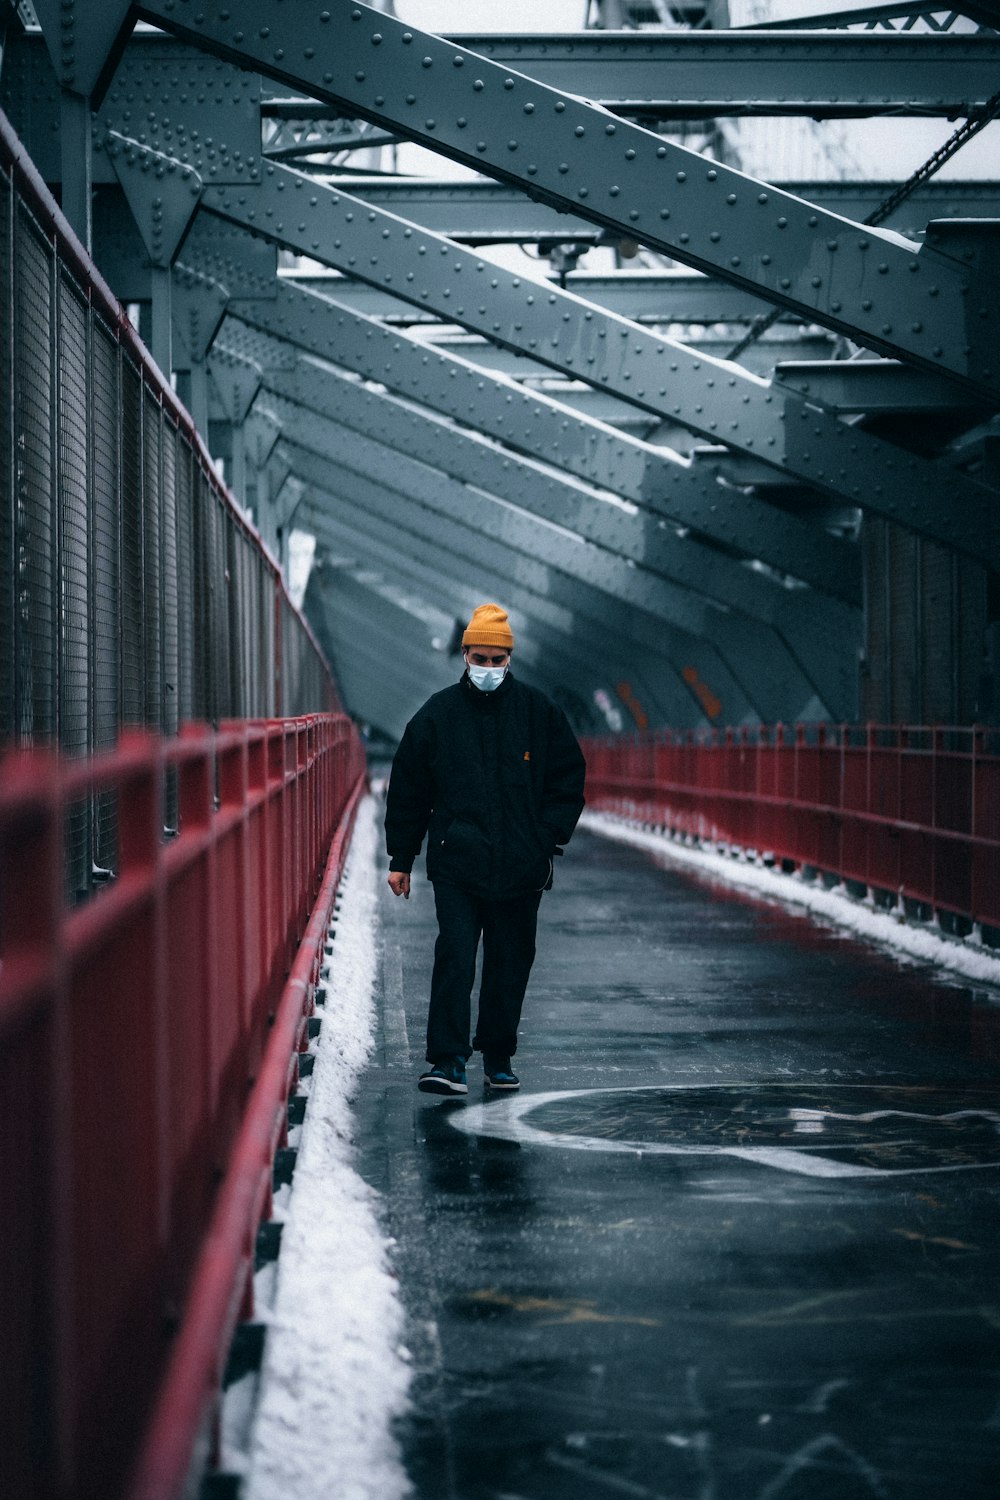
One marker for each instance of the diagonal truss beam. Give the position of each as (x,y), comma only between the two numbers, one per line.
(641,296)
(564,611)
(719,400)
(681,75)
(806,344)
(613,530)
(356,608)
(663,666)
(799,646)
(483,211)
(554,646)
(890,294)
(675,74)
(654,478)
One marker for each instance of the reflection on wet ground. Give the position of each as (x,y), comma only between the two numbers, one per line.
(624,1281)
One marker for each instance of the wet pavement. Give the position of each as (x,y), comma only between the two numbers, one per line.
(737,1237)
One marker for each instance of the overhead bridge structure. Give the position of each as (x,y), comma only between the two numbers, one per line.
(723,439)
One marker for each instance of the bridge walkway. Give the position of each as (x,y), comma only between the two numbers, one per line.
(759,1261)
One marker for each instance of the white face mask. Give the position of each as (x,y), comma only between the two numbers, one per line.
(487,679)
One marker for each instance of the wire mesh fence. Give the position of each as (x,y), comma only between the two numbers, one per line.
(132,591)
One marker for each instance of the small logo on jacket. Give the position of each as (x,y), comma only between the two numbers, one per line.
(527,755)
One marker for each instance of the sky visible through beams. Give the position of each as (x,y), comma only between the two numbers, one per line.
(882,149)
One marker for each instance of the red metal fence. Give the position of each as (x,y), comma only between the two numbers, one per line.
(148,1042)
(914,812)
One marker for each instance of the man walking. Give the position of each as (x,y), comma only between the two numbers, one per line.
(490,773)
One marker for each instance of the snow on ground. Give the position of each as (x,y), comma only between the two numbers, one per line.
(335,1373)
(919,941)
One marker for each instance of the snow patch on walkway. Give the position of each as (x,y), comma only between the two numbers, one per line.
(335,1373)
(922,943)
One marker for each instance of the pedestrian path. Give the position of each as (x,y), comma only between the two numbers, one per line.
(736,1239)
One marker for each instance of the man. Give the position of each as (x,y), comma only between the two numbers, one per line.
(491,773)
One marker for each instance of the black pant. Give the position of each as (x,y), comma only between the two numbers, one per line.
(507,929)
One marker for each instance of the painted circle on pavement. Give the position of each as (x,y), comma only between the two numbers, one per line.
(835,1130)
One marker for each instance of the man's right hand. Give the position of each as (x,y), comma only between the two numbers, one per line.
(399,883)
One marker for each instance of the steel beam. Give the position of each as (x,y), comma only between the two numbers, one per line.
(503,525)
(484,212)
(642,296)
(714,398)
(647,297)
(905,300)
(891,15)
(760,358)
(651,670)
(352,609)
(568,619)
(671,75)
(546,655)
(593,547)
(872,387)
(653,478)
(629,697)
(379,658)
(801,647)
(643,543)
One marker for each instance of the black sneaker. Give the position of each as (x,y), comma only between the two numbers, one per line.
(445,1077)
(499,1074)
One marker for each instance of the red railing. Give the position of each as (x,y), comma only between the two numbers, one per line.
(914,812)
(148,1043)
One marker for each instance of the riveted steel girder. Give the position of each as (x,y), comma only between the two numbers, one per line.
(638,539)
(871,386)
(760,357)
(677,74)
(642,296)
(170,97)
(503,525)
(443,575)
(199,305)
(79,40)
(653,478)
(598,406)
(553,656)
(224,253)
(485,212)
(888,293)
(161,192)
(567,620)
(261,436)
(378,654)
(236,380)
(817,648)
(383,679)
(717,399)
(632,573)
(544,656)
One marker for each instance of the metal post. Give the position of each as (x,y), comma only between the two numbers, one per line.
(199,397)
(77,170)
(238,477)
(161,340)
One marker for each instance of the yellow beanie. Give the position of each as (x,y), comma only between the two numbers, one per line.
(489,627)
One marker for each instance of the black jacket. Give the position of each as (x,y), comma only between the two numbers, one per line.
(495,783)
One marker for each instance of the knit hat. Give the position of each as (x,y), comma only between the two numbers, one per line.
(489,627)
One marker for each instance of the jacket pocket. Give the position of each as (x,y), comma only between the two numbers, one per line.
(458,852)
